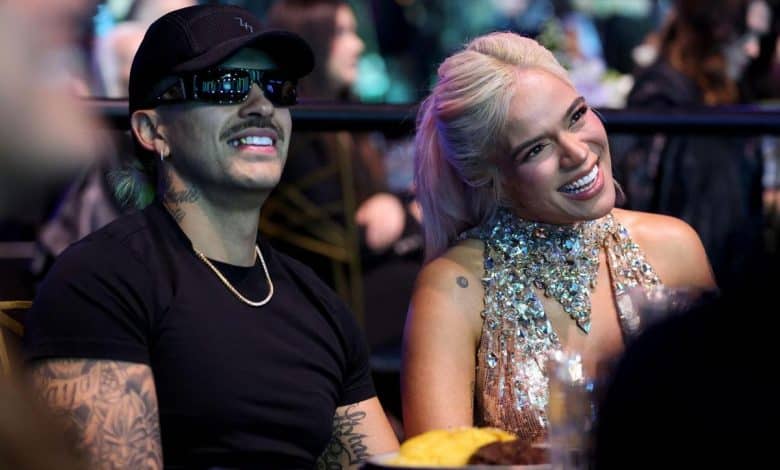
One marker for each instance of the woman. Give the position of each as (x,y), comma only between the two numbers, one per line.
(711,182)
(344,175)
(526,253)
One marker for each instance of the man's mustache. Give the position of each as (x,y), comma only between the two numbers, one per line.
(254,123)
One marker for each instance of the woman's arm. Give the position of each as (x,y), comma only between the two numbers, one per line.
(440,342)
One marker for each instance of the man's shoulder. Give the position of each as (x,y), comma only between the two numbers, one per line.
(310,283)
(300,272)
(125,238)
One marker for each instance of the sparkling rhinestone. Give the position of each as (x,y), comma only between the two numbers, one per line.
(492,360)
(571,245)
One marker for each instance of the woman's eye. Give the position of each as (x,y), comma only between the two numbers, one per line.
(534,151)
(578,114)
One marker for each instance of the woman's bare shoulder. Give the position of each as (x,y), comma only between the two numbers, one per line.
(654,228)
(450,287)
(671,246)
(463,259)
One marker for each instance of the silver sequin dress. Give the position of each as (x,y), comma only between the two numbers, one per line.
(521,258)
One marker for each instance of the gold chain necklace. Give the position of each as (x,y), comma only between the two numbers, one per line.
(232,289)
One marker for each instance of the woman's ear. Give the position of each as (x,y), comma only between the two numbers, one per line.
(145,125)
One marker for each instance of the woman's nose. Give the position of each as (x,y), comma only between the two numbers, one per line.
(573,150)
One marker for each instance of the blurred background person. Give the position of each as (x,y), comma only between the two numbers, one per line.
(760,86)
(712,183)
(345,176)
(88,202)
(113,55)
(46,135)
(40,81)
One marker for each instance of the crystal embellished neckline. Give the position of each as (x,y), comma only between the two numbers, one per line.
(251,303)
(562,261)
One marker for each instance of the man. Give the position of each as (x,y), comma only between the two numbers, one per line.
(172,336)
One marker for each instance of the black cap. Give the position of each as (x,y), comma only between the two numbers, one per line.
(199,37)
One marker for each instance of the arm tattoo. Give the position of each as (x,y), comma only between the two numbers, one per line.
(111,409)
(462,281)
(346,448)
(173,198)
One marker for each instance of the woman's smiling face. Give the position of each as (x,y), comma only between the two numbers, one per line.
(558,168)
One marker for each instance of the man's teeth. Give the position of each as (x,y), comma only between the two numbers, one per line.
(583,183)
(252,140)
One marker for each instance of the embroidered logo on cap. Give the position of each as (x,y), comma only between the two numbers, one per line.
(244,24)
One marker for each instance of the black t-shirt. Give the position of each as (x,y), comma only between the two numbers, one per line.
(236,385)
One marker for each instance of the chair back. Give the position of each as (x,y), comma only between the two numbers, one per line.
(11,332)
(328,231)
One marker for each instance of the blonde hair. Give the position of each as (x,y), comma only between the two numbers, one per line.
(460,128)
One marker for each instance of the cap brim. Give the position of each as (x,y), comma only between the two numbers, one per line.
(291,52)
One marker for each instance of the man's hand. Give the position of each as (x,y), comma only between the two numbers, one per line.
(383,218)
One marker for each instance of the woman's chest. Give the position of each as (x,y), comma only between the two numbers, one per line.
(604,340)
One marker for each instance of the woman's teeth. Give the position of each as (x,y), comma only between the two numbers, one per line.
(583,183)
(252,140)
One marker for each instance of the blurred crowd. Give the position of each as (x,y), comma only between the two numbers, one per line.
(57,156)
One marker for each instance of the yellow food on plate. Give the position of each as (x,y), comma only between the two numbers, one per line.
(447,447)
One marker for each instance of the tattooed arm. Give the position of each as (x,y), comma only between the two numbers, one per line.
(360,430)
(111,408)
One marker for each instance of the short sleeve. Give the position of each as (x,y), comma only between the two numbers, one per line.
(358,384)
(97,302)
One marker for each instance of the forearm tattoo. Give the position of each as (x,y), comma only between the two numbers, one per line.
(462,281)
(111,409)
(173,198)
(347,448)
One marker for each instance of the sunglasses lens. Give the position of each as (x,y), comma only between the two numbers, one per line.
(281,92)
(233,86)
(221,86)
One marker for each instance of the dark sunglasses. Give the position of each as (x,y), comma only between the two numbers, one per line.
(232,86)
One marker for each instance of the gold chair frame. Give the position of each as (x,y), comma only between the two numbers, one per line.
(9,324)
(313,228)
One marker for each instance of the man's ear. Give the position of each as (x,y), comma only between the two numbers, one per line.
(146,127)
